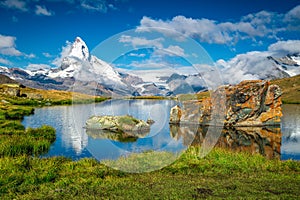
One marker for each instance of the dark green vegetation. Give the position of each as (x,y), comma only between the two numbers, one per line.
(290,88)
(15,140)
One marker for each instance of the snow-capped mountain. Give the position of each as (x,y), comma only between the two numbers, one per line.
(5,71)
(79,64)
(289,63)
(79,71)
(80,50)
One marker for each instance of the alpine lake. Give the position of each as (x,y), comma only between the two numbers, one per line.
(75,142)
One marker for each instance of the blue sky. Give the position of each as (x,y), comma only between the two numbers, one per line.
(35,32)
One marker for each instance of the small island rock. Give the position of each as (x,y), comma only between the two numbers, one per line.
(120,124)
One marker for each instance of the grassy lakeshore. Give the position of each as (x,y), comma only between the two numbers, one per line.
(221,174)
(15,103)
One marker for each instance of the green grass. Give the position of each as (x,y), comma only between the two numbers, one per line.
(128,119)
(222,174)
(15,140)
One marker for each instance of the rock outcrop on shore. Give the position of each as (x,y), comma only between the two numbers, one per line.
(250,103)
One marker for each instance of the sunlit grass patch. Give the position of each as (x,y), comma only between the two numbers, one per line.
(142,162)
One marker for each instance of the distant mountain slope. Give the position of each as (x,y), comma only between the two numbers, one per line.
(290,88)
(6,80)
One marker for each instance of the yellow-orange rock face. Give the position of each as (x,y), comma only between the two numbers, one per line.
(250,103)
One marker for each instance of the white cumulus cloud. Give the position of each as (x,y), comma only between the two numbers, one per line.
(293,14)
(31,55)
(141,41)
(254,26)
(36,67)
(64,53)
(95,5)
(285,47)
(203,29)
(8,46)
(140,55)
(15,4)
(42,10)
(5,61)
(174,50)
(47,55)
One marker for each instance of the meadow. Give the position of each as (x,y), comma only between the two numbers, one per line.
(221,174)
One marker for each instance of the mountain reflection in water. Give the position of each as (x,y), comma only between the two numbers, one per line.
(263,140)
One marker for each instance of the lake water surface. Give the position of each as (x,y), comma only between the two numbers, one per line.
(73,140)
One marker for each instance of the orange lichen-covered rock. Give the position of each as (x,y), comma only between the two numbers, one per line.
(250,103)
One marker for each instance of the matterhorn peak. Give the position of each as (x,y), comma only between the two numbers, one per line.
(79,50)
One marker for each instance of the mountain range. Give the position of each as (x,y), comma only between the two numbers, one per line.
(82,72)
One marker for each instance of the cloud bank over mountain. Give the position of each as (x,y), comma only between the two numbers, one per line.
(263,64)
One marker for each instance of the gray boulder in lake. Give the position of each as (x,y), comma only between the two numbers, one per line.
(126,125)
